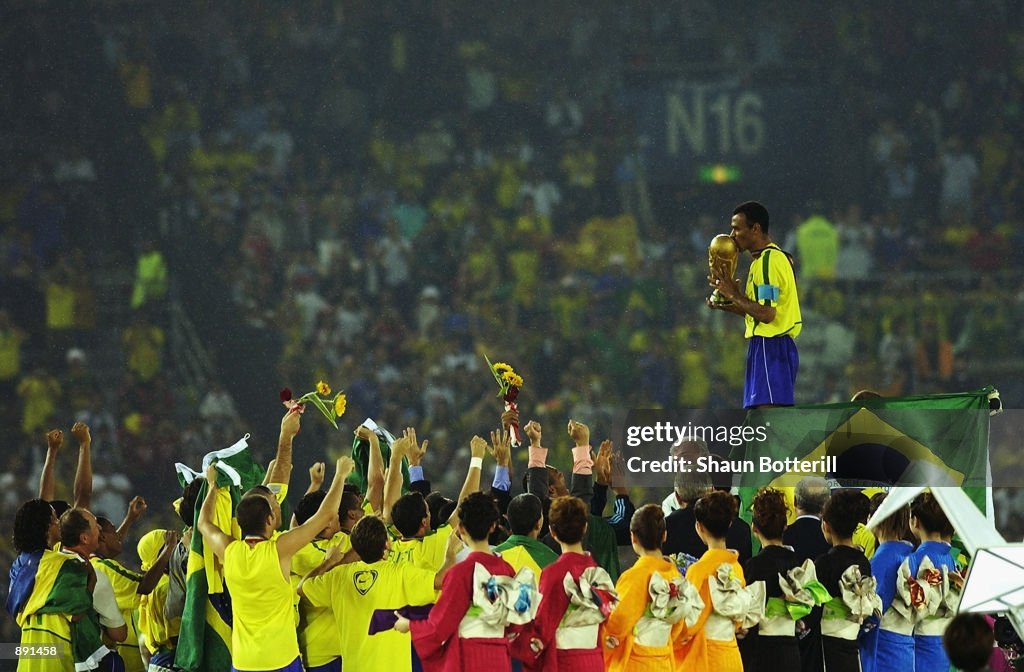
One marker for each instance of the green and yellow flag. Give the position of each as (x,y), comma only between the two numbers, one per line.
(933,440)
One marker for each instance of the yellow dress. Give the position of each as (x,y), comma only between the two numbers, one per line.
(704,653)
(638,651)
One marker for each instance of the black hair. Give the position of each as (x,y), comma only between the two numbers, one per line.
(59,506)
(568,518)
(648,524)
(479,513)
(930,515)
(523,513)
(252,513)
(408,512)
(73,524)
(309,505)
(437,502)
(968,641)
(32,526)
(755,214)
(842,512)
(769,513)
(715,511)
(370,539)
(350,501)
(189,496)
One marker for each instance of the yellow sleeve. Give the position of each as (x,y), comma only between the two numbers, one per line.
(417,584)
(318,591)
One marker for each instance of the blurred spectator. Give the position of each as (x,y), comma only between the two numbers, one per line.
(150,277)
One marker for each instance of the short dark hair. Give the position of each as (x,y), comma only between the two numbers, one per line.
(968,641)
(930,515)
(568,518)
(189,497)
(309,505)
(648,524)
(755,214)
(478,513)
(769,513)
(32,526)
(370,539)
(350,501)
(523,513)
(437,503)
(842,512)
(715,511)
(60,506)
(408,512)
(73,524)
(252,513)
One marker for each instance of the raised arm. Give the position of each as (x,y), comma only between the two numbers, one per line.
(501,451)
(54,440)
(213,536)
(282,469)
(136,508)
(83,474)
(291,541)
(536,470)
(316,477)
(477,449)
(374,469)
(393,483)
(152,576)
(582,484)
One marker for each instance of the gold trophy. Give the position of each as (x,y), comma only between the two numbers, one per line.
(722,251)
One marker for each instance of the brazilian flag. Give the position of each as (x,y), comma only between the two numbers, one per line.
(361,456)
(204,641)
(933,440)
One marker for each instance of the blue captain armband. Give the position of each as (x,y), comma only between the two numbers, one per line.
(767,293)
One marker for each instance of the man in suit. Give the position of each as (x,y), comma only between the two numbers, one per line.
(804,535)
(680,524)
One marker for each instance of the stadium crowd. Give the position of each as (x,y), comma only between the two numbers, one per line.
(379,196)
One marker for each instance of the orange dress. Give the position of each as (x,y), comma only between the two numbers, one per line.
(656,607)
(713,645)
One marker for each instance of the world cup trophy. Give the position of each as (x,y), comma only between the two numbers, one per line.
(722,251)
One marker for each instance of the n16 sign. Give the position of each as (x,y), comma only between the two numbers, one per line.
(770,132)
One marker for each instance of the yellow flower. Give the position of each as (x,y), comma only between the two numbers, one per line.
(323,388)
(513,379)
(339,405)
(501,368)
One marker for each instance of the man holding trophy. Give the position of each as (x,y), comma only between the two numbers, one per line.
(770,305)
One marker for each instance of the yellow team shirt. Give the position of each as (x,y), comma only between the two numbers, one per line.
(319,641)
(126,585)
(263,636)
(425,553)
(153,623)
(771,280)
(354,591)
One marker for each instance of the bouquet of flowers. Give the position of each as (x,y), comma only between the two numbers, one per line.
(509,384)
(332,407)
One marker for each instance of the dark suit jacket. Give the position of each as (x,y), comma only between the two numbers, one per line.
(805,536)
(682,535)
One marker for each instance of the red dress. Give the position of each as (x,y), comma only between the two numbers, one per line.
(450,639)
(549,616)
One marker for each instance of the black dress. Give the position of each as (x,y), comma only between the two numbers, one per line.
(840,655)
(770,653)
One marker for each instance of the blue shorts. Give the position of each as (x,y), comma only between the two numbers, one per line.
(333,666)
(772,364)
(294,666)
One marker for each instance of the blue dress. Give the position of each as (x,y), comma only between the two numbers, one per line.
(929,656)
(884,650)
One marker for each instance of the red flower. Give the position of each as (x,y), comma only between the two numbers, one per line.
(286,394)
(673,591)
